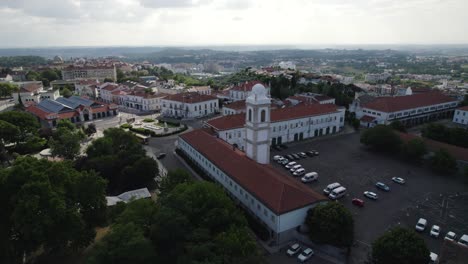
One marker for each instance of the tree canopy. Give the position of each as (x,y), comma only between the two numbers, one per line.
(7,89)
(49,206)
(120,158)
(444,163)
(381,138)
(454,136)
(414,149)
(400,245)
(66,140)
(332,224)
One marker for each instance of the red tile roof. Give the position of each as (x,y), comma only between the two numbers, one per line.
(246,86)
(367,119)
(277,115)
(277,190)
(30,88)
(463,108)
(237,105)
(190,97)
(110,87)
(399,103)
(458,153)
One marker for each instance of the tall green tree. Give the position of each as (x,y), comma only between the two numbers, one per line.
(414,149)
(444,163)
(174,178)
(7,89)
(332,224)
(65,92)
(66,140)
(26,123)
(48,206)
(8,132)
(400,245)
(381,138)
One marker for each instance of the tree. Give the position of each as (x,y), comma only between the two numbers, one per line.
(120,158)
(400,245)
(381,138)
(414,149)
(91,129)
(174,178)
(7,89)
(26,123)
(397,125)
(124,244)
(332,224)
(8,132)
(444,163)
(66,140)
(65,92)
(48,206)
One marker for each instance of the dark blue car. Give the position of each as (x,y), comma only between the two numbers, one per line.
(382,186)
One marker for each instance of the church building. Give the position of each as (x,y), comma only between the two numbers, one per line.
(270,195)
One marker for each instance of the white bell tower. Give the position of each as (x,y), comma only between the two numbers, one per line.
(257,125)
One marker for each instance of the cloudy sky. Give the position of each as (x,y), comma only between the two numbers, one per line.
(27,23)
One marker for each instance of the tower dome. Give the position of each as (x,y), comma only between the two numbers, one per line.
(258,95)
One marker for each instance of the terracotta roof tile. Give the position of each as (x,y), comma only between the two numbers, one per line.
(277,115)
(237,105)
(463,108)
(190,97)
(399,103)
(367,118)
(277,190)
(246,86)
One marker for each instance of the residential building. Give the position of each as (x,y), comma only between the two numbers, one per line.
(287,65)
(410,110)
(200,90)
(99,72)
(76,109)
(140,100)
(311,98)
(275,199)
(189,105)
(105,92)
(5,77)
(378,77)
(87,88)
(461,116)
(242,91)
(33,92)
(233,108)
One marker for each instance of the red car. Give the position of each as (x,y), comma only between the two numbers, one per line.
(358,202)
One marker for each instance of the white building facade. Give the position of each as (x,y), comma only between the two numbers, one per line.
(241,91)
(189,105)
(461,116)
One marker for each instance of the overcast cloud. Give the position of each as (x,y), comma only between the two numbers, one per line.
(217,22)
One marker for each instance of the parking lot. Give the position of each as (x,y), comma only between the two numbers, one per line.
(342,159)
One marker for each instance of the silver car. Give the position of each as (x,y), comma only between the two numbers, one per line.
(371,195)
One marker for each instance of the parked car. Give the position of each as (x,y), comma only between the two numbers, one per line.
(302,155)
(450,236)
(358,202)
(398,180)
(310,153)
(293,250)
(161,155)
(276,147)
(435,231)
(289,157)
(309,177)
(382,186)
(284,161)
(299,172)
(337,193)
(434,258)
(371,195)
(463,240)
(305,255)
(277,157)
(291,164)
(331,187)
(295,168)
(283,146)
(295,156)
(421,224)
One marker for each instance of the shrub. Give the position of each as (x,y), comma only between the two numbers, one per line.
(148,120)
(126,126)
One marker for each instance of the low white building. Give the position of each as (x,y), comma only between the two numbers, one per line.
(141,101)
(409,110)
(105,91)
(88,88)
(461,116)
(241,91)
(287,65)
(189,105)
(200,90)
(272,197)
(33,92)
(233,108)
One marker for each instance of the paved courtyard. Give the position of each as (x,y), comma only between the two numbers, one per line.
(441,200)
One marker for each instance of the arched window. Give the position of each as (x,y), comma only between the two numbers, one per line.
(250,115)
(262,116)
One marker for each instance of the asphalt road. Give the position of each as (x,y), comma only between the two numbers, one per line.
(342,159)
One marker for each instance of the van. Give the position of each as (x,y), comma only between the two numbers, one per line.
(310,176)
(299,172)
(330,187)
(337,193)
(295,168)
(463,240)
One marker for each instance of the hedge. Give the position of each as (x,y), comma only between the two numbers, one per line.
(126,126)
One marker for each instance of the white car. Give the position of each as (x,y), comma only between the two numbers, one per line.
(398,180)
(291,164)
(450,236)
(434,257)
(295,168)
(299,172)
(309,177)
(463,240)
(371,195)
(277,157)
(305,255)
(293,250)
(421,224)
(435,231)
(284,161)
